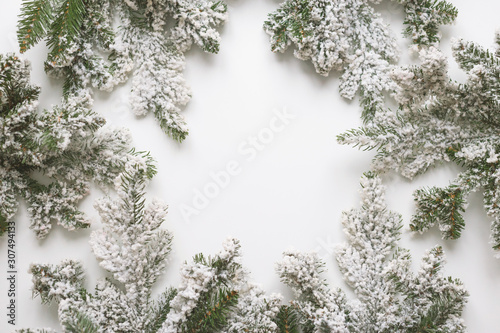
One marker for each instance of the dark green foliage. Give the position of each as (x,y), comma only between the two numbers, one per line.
(295,24)
(159,311)
(440,206)
(219,264)
(35,21)
(15,89)
(214,304)
(47,277)
(212,311)
(65,27)
(80,324)
(443,305)
(287,320)
(424,18)
(390,297)
(212,45)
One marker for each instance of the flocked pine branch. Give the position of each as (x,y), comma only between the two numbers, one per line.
(390,297)
(151,41)
(348,35)
(424,18)
(69,148)
(442,120)
(214,295)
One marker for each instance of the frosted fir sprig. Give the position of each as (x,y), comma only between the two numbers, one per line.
(214,295)
(151,41)
(349,36)
(390,297)
(255,312)
(441,120)
(68,145)
(237,307)
(425,17)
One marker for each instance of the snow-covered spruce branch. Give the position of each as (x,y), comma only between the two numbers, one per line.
(214,295)
(442,120)
(151,41)
(424,18)
(390,297)
(69,145)
(349,35)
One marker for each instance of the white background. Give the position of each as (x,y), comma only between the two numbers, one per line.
(291,195)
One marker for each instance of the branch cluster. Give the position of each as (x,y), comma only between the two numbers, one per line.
(151,41)
(440,120)
(69,145)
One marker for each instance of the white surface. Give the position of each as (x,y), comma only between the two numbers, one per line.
(291,194)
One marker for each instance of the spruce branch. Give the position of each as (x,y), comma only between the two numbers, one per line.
(440,206)
(35,20)
(80,324)
(254,312)
(57,283)
(69,145)
(151,41)
(65,28)
(390,297)
(159,311)
(214,296)
(215,317)
(441,120)
(287,320)
(424,18)
(350,36)
(338,35)
(3,224)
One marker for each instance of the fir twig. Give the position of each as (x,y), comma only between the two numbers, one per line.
(80,323)
(35,20)
(441,120)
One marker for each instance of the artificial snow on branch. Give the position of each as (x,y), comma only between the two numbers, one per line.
(390,297)
(442,120)
(214,295)
(151,41)
(424,18)
(68,145)
(349,35)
